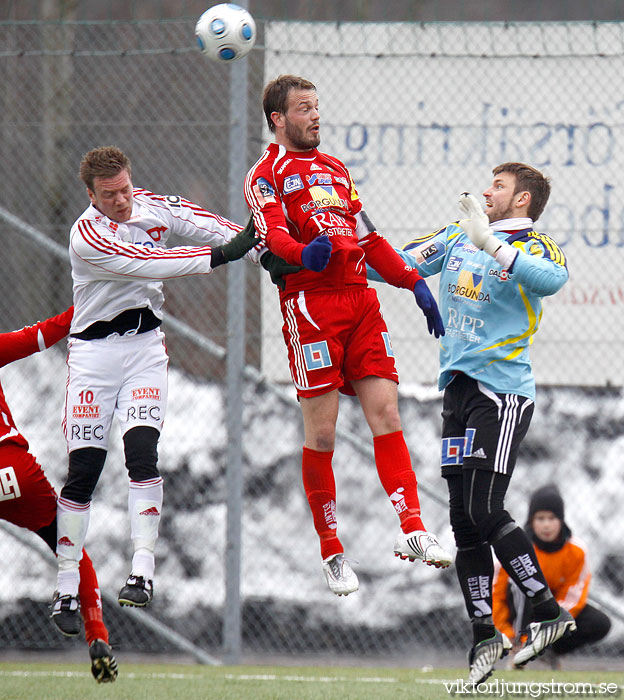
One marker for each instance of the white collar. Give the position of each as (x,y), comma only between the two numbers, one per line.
(516,224)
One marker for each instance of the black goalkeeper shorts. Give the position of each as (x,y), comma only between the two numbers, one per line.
(482,429)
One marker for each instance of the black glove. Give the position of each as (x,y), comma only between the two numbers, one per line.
(278,267)
(237,247)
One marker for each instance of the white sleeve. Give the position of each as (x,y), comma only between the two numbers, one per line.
(106,256)
(193,222)
(201,226)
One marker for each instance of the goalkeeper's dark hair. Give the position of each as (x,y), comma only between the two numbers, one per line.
(275,97)
(529,180)
(105,161)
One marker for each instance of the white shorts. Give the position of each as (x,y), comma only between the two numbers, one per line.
(121,376)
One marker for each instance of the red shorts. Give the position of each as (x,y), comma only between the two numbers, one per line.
(334,338)
(26,497)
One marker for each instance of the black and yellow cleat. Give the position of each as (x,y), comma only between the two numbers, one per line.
(103,663)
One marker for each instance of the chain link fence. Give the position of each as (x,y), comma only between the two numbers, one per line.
(419,113)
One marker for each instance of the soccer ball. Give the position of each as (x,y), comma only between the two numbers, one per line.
(226,32)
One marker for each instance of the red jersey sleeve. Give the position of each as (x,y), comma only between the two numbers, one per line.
(381,256)
(283,245)
(269,219)
(18,344)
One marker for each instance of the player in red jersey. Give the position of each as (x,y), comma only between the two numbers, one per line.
(307,211)
(28,500)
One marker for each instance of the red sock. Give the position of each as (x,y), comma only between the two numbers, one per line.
(320,488)
(394,467)
(91,601)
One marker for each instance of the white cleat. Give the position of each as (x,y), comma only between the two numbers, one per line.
(485,654)
(542,634)
(341,578)
(422,545)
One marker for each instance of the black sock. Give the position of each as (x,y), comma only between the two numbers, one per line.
(545,610)
(475,569)
(517,556)
(482,630)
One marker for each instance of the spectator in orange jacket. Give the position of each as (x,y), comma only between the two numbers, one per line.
(564,562)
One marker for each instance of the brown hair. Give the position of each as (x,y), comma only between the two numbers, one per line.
(531,180)
(106,161)
(275,97)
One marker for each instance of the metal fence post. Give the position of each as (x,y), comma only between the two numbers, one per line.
(235,364)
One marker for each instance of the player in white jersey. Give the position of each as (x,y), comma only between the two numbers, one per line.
(117,359)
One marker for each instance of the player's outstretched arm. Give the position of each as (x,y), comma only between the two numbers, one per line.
(477,228)
(429,307)
(390,266)
(314,256)
(26,341)
(543,274)
(242,243)
(278,268)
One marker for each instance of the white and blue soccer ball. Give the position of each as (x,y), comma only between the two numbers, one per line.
(226,32)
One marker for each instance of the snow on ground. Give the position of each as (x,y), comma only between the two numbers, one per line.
(576,439)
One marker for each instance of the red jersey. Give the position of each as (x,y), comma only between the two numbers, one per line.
(296,196)
(22,343)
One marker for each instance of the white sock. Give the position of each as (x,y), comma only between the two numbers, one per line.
(144,507)
(72,523)
(68,577)
(143,564)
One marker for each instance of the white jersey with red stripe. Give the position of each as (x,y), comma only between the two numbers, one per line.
(120,266)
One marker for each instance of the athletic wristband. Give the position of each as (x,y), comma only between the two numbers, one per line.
(217,257)
(492,245)
(505,255)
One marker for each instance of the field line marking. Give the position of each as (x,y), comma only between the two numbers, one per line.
(227,676)
(243,677)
